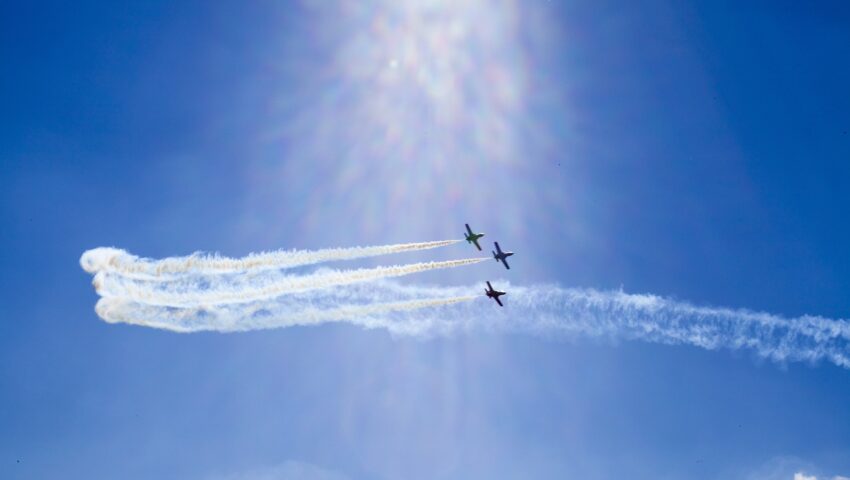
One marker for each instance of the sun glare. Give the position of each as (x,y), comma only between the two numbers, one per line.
(410,108)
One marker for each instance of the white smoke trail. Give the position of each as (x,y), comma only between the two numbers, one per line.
(119,261)
(544,310)
(254,317)
(193,292)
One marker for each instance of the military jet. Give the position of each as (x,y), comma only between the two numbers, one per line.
(472,237)
(502,256)
(494,294)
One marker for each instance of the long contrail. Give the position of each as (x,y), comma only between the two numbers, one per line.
(119,261)
(251,318)
(190,293)
(543,310)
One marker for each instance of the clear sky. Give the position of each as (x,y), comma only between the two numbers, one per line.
(693,150)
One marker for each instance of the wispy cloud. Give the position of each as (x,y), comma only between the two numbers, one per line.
(789,467)
(803,476)
(289,470)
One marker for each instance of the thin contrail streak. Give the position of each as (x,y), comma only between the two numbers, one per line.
(185,320)
(190,294)
(120,261)
(543,310)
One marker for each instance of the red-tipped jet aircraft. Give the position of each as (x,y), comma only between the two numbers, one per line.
(494,294)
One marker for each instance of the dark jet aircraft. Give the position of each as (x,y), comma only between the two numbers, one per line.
(494,294)
(472,237)
(502,256)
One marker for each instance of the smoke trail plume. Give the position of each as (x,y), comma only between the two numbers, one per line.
(253,318)
(119,261)
(543,310)
(241,289)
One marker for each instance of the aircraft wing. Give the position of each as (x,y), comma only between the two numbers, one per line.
(498,248)
(505,261)
(468,229)
(476,244)
(498,301)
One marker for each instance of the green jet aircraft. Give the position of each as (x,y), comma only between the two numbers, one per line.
(472,237)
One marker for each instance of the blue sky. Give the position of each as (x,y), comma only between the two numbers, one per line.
(693,150)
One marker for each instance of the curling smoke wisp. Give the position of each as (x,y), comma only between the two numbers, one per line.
(119,261)
(251,317)
(541,310)
(194,293)
(264,298)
